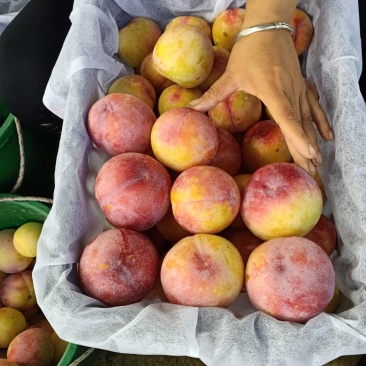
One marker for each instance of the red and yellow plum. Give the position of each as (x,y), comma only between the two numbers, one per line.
(202,270)
(228,154)
(241,180)
(135,85)
(324,234)
(133,191)
(221,58)
(182,138)
(170,229)
(149,72)
(32,347)
(205,199)
(119,123)
(184,54)
(264,144)
(192,20)
(281,199)
(137,39)
(304,28)
(237,113)
(17,291)
(225,27)
(11,261)
(12,322)
(176,96)
(119,267)
(290,278)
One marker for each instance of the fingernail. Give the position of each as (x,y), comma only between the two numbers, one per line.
(317,162)
(312,168)
(194,103)
(331,135)
(312,151)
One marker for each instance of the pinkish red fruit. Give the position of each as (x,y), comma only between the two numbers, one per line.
(119,267)
(205,199)
(228,154)
(324,234)
(202,270)
(182,138)
(281,199)
(133,190)
(32,347)
(119,123)
(290,278)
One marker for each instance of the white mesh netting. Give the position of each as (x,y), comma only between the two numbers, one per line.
(239,335)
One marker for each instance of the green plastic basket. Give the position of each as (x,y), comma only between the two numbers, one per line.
(20,210)
(16,210)
(80,355)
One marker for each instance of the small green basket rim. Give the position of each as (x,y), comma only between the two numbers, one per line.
(71,351)
(77,355)
(7,129)
(28,203)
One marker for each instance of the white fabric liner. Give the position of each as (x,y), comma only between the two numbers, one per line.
(9,9)
(12,6)
(240,335)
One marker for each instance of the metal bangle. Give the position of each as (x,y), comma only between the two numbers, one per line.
(264,27)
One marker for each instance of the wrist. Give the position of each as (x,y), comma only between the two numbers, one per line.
(264,11)
(265,27)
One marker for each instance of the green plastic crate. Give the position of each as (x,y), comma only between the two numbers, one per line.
(16,213)
(83,356)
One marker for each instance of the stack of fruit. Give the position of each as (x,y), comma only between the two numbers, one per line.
(26,337)
(202,206)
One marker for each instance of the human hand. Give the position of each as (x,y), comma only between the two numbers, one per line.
(265,64)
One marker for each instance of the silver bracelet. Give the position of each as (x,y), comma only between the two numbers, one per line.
(263,27)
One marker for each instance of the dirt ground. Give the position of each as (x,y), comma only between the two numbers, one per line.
(104,358)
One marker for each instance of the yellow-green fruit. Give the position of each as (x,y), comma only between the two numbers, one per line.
(192,20)
(10,260)
(176,96)
(136,40)
(225,27)
(184,54)
(332,307)
(59,346)
(12,322)
(26,238)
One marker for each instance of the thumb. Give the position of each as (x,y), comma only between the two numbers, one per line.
(218,92)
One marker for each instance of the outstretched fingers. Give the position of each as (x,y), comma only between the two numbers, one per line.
(295,123)
(218,92)
(319,117)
